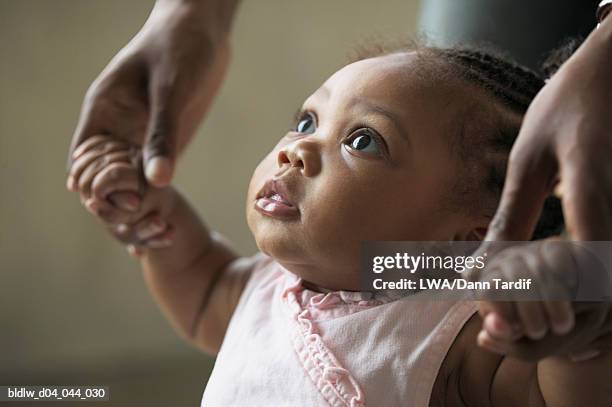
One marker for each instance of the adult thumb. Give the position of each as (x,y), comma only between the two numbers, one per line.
(159,151)
(528,183)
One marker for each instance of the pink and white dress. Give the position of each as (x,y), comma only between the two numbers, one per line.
(290,346)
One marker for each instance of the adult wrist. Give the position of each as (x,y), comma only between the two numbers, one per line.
(216,15)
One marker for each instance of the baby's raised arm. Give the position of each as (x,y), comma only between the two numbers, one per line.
(191,272)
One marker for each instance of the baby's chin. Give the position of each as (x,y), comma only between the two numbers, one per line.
(331,268)
(310,268)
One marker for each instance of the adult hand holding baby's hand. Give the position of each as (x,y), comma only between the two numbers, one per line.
(544,321)
(565,142)
(156,90)
(109,179)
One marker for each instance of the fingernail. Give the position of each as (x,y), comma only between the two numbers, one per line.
(582,356)
(537,334)
(154,227)
(498,327)
(564,326)
(158,171)
(121,228)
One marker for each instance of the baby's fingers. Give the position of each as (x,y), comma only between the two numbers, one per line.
(560,315)
(153,232)
(499,319)
(149,228)
(533,318)
(148,233)
(106,212)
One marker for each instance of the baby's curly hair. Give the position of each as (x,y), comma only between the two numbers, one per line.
(484,140)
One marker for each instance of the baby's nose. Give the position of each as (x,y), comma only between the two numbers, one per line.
(304,155)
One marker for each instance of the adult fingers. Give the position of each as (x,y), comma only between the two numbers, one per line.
(88,156)
(87,145)
(531,171)
(118,176)
(119,179)
(587,198)
(159,151)
(97,164)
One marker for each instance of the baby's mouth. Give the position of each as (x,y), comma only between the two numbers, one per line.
(272,200)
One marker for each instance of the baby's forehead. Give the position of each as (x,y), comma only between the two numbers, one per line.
(395,78)
(408,83)
(385,73)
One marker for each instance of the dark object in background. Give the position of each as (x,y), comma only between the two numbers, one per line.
(527,29)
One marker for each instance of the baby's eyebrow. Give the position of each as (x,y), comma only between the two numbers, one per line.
(380,110)
(298,114)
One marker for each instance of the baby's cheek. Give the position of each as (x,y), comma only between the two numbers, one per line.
(264,171)
(335,226)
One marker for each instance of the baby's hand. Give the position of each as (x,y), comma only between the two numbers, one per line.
(545,322)
(108,177)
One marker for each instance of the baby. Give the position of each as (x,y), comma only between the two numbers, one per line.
(403,144)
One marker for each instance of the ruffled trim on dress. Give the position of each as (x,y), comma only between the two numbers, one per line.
(336,384)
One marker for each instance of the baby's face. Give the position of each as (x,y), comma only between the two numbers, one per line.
(369,160)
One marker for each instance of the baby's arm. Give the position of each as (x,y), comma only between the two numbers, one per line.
(192,273)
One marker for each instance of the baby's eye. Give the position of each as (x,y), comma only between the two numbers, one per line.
(306,124)
(364,141)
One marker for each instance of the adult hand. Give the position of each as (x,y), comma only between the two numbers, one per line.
(564,311)
(567,137)
(156,90)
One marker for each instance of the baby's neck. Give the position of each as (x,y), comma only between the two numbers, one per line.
(310,286)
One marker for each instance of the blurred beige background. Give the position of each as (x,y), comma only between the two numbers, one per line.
(73,307)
